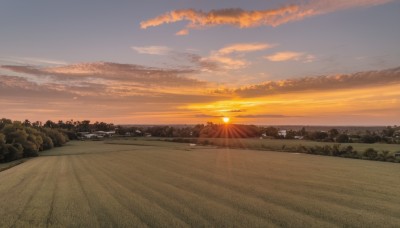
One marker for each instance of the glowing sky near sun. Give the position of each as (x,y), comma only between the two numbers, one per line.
(324,62)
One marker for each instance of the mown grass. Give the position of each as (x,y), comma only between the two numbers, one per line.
(8,165)
(282,144)
(377,151)
(162,184)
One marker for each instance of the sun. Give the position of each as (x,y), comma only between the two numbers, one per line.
(226,119)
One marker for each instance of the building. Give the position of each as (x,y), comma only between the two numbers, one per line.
(282,133)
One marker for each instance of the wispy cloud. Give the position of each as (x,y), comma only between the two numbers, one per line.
(127,73)
(153,50)
(321,83)
(182,32)
(253,18)
(31,61)
(75,91)
(290,56)
(261,116)
(231,56)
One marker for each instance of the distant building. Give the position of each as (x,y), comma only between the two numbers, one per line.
(97,134)
(282,133)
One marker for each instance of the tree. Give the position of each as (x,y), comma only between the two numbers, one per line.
(2,146)
(333,133)
(303,131)
(370,153)
(290,134)
(271,131)
(27,123)
(342,138)
(369,138)
(4,122)
(57,137)
(50,124)
(318,135)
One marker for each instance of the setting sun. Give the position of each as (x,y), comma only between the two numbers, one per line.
(226,119)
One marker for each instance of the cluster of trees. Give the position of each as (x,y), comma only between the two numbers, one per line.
(211,130)
(19,139)
(388,135)
(347,152)
(78,126)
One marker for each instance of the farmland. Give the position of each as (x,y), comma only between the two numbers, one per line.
(153,183)
(287,144)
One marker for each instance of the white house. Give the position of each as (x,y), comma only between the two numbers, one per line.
(282,133)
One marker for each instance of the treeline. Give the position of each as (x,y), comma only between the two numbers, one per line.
(19,139)
(72,128)
(335,150)
(388,135)
(210,130)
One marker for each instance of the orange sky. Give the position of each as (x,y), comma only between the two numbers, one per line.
(311,62)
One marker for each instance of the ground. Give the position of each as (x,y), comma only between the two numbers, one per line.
(142,183)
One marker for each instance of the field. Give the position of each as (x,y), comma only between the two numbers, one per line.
(288,144)
(163,184)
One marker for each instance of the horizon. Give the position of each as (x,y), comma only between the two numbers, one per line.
(267,63)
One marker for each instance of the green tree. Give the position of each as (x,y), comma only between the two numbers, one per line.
(371,153)
(271,131)
(342,138)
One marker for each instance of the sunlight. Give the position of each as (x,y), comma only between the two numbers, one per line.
(226,119)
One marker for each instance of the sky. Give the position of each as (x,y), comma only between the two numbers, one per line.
(266,62)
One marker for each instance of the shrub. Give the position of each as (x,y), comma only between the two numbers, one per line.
(57,137)
(371,153)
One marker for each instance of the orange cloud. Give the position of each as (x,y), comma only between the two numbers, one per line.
(322,83)
(245,19)
(289,55)
(73,91)
(106,71)
(152,50)
(227,58)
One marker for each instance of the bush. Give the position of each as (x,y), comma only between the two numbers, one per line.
(371,154)
(56,136)
(342,138)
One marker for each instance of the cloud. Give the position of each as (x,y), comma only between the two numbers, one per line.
(202,63)
(321,83)
(230,57)
(183,32)
(369,97)
(106,71)
(265,116)
(207,116)
(152,50)
(32,61)
(253,18)
(236,110)
(290,56)
(243,47)
(97,101)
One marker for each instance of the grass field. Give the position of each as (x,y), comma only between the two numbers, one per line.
(288,144)
(162,184)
